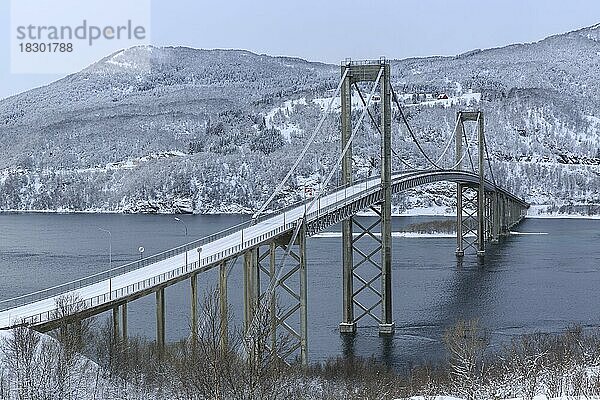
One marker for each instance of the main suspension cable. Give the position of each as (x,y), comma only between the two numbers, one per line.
(468,147)
(414,138)
(488,159)
(345,150)
(449,140)
(304,150)
(275,279)
(362,99)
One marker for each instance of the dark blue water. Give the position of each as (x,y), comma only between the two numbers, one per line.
(527,283)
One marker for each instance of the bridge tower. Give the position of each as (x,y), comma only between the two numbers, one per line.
(478,211)
(360,268)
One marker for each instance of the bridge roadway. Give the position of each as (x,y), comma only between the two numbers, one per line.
(104,291)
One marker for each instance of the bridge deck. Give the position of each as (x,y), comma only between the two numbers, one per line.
(101,295)
(128,284)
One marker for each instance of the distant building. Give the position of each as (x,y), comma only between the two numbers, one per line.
(442,96)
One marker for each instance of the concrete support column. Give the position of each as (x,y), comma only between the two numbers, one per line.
(387,324)
(251,286)
(116,328)
(160,319)
(124,335)
(496,217)
(119,319)
(223,305)
(348,325)
(502,214)
(460,251)
(194,307)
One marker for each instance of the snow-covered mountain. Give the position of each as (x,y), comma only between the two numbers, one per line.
(174,128)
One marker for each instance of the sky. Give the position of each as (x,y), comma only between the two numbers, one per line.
(332,30)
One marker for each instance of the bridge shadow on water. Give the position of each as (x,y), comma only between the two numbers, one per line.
(466,290)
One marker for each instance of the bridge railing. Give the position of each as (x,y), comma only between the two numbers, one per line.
(134,265)
(116,294)
(203,263)
(105,275)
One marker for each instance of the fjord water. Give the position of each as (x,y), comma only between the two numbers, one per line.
(530,282)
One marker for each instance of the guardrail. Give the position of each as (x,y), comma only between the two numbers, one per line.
(135,287)
(152,281)
(111,273)
(204,262)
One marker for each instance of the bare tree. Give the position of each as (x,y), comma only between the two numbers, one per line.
(466,344)
(206,361)
(71,334)
(262,366)
(527,360)
(19,352)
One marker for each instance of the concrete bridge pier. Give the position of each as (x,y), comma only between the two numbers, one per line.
(502,214)
(251,286)
(119,319)
(223,304)
(496,217)
(116,327)
(194,308)
(124,334)
(160,319)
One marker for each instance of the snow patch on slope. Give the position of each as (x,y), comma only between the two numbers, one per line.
(467,99)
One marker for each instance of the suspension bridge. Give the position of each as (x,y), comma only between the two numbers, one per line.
(273,244)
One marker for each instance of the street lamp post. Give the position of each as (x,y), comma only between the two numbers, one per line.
(109,262)
(184,224)
(186,232)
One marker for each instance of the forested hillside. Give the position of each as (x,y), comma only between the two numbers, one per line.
(176,129)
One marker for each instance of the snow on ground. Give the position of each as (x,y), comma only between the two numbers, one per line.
(464,99)
(286,128)
(592,119)
(356,102)
(436,211)
(85,378)
(286,108)
(540,211)
(118,165)
(278,117)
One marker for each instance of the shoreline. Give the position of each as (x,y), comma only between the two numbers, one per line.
(419,212)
